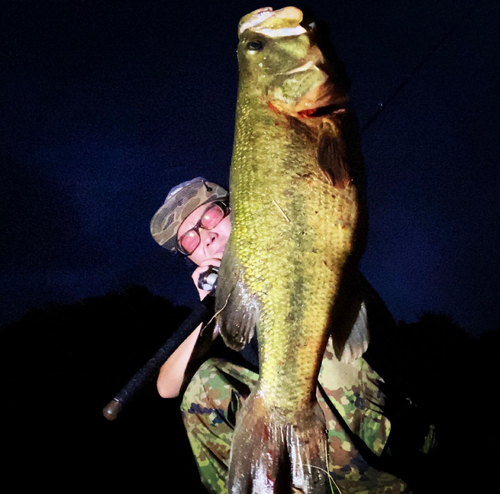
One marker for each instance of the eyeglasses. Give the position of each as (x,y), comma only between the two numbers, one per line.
(211,217)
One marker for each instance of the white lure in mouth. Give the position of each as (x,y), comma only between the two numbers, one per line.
(262,21)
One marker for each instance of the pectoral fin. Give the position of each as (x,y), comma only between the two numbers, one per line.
(332,156)
(236,309)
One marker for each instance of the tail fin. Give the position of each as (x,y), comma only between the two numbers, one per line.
(272,454)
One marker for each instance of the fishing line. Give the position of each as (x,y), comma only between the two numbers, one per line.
(383,104)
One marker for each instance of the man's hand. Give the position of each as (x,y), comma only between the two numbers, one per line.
(204,266)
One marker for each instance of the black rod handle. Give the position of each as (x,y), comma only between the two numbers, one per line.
(201,314)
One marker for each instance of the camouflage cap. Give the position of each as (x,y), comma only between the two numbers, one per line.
(181,201)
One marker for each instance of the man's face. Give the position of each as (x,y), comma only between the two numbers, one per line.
(212,242)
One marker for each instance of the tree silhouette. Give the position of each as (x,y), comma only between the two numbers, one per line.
(452,377)
(60,367)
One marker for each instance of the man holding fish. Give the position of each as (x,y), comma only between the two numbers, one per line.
(292,405)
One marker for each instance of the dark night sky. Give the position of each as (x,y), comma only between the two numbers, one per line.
(105,105)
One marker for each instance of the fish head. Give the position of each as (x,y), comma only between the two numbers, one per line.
(280,61)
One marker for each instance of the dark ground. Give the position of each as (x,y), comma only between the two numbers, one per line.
(60,366)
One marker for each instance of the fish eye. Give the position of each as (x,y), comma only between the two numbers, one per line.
(255,45)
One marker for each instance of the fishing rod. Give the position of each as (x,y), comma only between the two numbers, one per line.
(204,311)
(200,315)
(207,281)
(382,105)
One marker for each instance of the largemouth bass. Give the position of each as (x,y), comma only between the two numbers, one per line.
(296,218)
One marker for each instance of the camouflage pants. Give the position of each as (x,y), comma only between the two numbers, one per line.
(351,401)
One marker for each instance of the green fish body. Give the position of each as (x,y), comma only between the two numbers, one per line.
(296,218)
